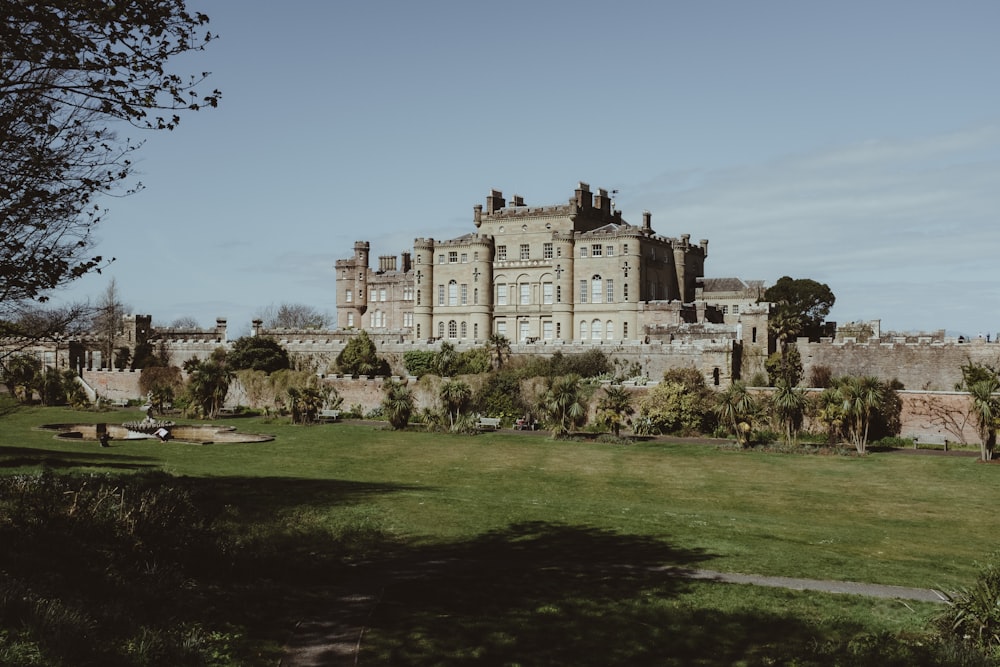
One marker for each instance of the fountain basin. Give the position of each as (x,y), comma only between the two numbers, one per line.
(206,434)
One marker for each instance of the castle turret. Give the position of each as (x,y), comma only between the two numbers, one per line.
(423,285)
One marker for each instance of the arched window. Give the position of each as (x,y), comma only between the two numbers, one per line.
(452,329)
(440,329)
(583,330)
(452,293)
(595,329)
(609,330)
(464,330)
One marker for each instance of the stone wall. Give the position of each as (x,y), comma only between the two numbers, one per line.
(934,366)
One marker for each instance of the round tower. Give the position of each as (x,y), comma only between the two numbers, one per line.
(481,303)
(423,287)
(562,310)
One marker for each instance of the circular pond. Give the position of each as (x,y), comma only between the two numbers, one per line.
(192,433)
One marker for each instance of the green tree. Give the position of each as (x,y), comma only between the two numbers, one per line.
(789,404)
(861,396)
(784,367)
(455,397)
(419,362)
(397,403)
(69,72)
(986,412)
(561,405)
(671,407)
(208,382)
(163,383)
(359,357)
(257,353)
(22,375)
(446,360)
(737,408)
(802,304)
(499,348)
(614,408)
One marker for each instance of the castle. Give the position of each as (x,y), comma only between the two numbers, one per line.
(574,272)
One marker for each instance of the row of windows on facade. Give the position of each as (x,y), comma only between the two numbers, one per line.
(379,294)
(549,251)
(594,330)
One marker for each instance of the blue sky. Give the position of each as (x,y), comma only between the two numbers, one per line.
(854,143)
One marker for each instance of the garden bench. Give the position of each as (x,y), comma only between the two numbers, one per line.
(120,402)
(490,423)
(329,415)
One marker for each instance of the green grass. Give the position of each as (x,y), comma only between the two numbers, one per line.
(513,516)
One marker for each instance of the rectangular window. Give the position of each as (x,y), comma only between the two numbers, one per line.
(453,257)
(546,251)
(546,292)
(583,291)
(525,294)
(475,256)
(349,296)
(501,295)
(525,251)
(609,288)
(501,252)
(440,295)
(625,292)
(558,293)
(725,310)
(382,294)
(736,309)
(372,294)
(559,251)
(624,329)
(350,319)
(547,329)
(583,251)
(407,319)
(465,294)
(558,330)
(502,327)
(475,296)
(596,250)
(441,259)
(624,248)
(465,258)
(609,251)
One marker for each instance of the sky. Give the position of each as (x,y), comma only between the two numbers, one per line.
(853,143)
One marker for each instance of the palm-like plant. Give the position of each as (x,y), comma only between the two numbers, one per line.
(209,383)
(499,348)
(789,404)
(829,408)
(397,403)
(986,412)
(455,395)
(614,408)
(737,408)
(561,405)
(861,397)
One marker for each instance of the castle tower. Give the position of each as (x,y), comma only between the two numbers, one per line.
(423,285)
(562,310)
(481,309)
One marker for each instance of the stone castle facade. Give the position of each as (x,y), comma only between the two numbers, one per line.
(574,272)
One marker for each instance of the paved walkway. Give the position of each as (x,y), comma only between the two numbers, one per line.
(335,639)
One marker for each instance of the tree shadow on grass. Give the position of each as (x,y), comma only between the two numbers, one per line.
(549,594)
(17,457)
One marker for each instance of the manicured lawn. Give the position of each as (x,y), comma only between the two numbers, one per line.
(519,512)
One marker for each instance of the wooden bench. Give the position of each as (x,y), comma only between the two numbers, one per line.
(492,423)
(328,415)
